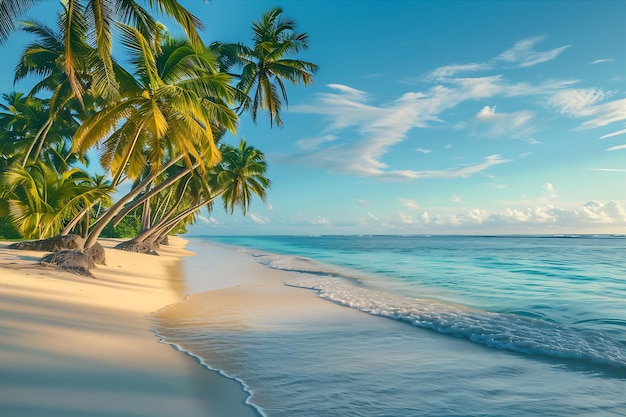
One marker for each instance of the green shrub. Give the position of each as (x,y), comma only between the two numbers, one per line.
(8,231)
(128,227)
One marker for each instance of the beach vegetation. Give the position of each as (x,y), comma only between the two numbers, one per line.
(40,198)
(155,123)
(240,175)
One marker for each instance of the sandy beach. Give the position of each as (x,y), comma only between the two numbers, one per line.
(79,346)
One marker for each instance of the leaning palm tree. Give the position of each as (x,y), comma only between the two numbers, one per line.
(268,64)
(168,114)
(236,179)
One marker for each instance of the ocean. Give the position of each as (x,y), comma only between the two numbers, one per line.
(429,326)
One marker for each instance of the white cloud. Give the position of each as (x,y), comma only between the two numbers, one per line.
(406,219)
(362,202)
(452,70)
(207,220)
(549,191)
(486,113)
(605,113)
(258,219)
(321,221)
(510,125)
(411,204)
(456,199)
(589,214)
(314,143)
(424,151)
(616,148)
(610,135)
(359,132)
(523,55)
(597,212)
(378,128)
(600,61)
(576,102)
(520,55)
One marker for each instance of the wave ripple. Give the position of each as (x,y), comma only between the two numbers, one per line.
(496,330)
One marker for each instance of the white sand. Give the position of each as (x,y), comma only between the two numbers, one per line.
(79,346)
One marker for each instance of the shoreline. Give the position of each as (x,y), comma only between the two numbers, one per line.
(75,346)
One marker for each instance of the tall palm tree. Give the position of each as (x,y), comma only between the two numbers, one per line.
(268,64)
(168,113)
(45,57)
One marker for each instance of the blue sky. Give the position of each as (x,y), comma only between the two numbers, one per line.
(438,117)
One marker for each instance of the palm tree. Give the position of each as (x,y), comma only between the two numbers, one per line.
(237,178)
(267,64)
(241,175)
(22,120)
(98,18)
(45,57)
(40,199)
(167,114)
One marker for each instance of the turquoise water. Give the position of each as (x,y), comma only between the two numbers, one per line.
(455,326)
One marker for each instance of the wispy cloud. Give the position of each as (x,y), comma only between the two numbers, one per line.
(616,148)
(452,70)
(601,61)
(609,170)
(610,135)
(605,113)
(496,125)
(576,102)
(360,132)
(207,220)
(259,219)
(586,103)
(408,203)
(314,143)
(522,55)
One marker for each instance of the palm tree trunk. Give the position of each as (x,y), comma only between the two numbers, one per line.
(108,215)
(135,203)
(118,174)
(165,227)
(40,136)
(145,215)
(66,231)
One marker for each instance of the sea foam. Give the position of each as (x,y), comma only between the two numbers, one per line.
(512,332)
